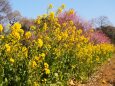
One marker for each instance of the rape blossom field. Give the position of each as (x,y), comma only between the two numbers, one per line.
(58,47)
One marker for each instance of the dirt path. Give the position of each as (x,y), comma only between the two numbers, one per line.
(105,76)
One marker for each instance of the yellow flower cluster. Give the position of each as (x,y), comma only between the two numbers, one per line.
(63,6)
(51,15)
(1,36)
(40,43)
(16,31)
(8,48)
(1,28)
(36,84)
(16,26)
(71,11)
(45,27)
(28,35)
(32,27)
(11,60)
(34,63)
(60,9)
(50,6)
(16,35)
(50,50)
(46,68)
(40,58)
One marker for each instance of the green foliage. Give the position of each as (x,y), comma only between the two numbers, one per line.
(50,54)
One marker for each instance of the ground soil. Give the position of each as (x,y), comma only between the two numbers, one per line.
(105,76)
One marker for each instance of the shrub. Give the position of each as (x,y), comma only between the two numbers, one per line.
(50,53)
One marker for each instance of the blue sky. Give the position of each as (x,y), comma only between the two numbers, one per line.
(87,9)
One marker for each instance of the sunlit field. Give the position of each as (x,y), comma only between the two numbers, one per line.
(56,49)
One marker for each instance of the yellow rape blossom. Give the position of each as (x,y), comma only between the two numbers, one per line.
(64,24)
(21,31)
(51,15)
(71,22)
(7,46)
(38,21)
(1,37)
(63,6)
(12,60)
(16,26)
(59,37)
(47,71)
(59,10)
(79,31)
(16,35)
(46,65)
(42,55)
(71,11)
(40,43)
(64,35)
(45,27)
(36,84)
(40,58)
(1,28)
(32,27)
(28,35)
(25,51)
(48,46)
(50,6)
(34,64)
(36,58)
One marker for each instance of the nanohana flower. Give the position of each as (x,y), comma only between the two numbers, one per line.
(7,46)
(16,26)
(71,22)
(21,31)
(34,64)
(1,28)
(50,6)
(51,15)
(40,43)
(59,10)
(1,36)
(45,27)
(47,71)
(59,37)
(46,65)
(64,24)
(12,60)
(36,58)
(28,35)
(38,21)
(63,6)
(71,11)
(46,68)
(79,31)
(16,35)
(32,27)
(36,84)
(42,55)
(48,46)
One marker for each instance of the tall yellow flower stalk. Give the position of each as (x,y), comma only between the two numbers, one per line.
(1,28)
